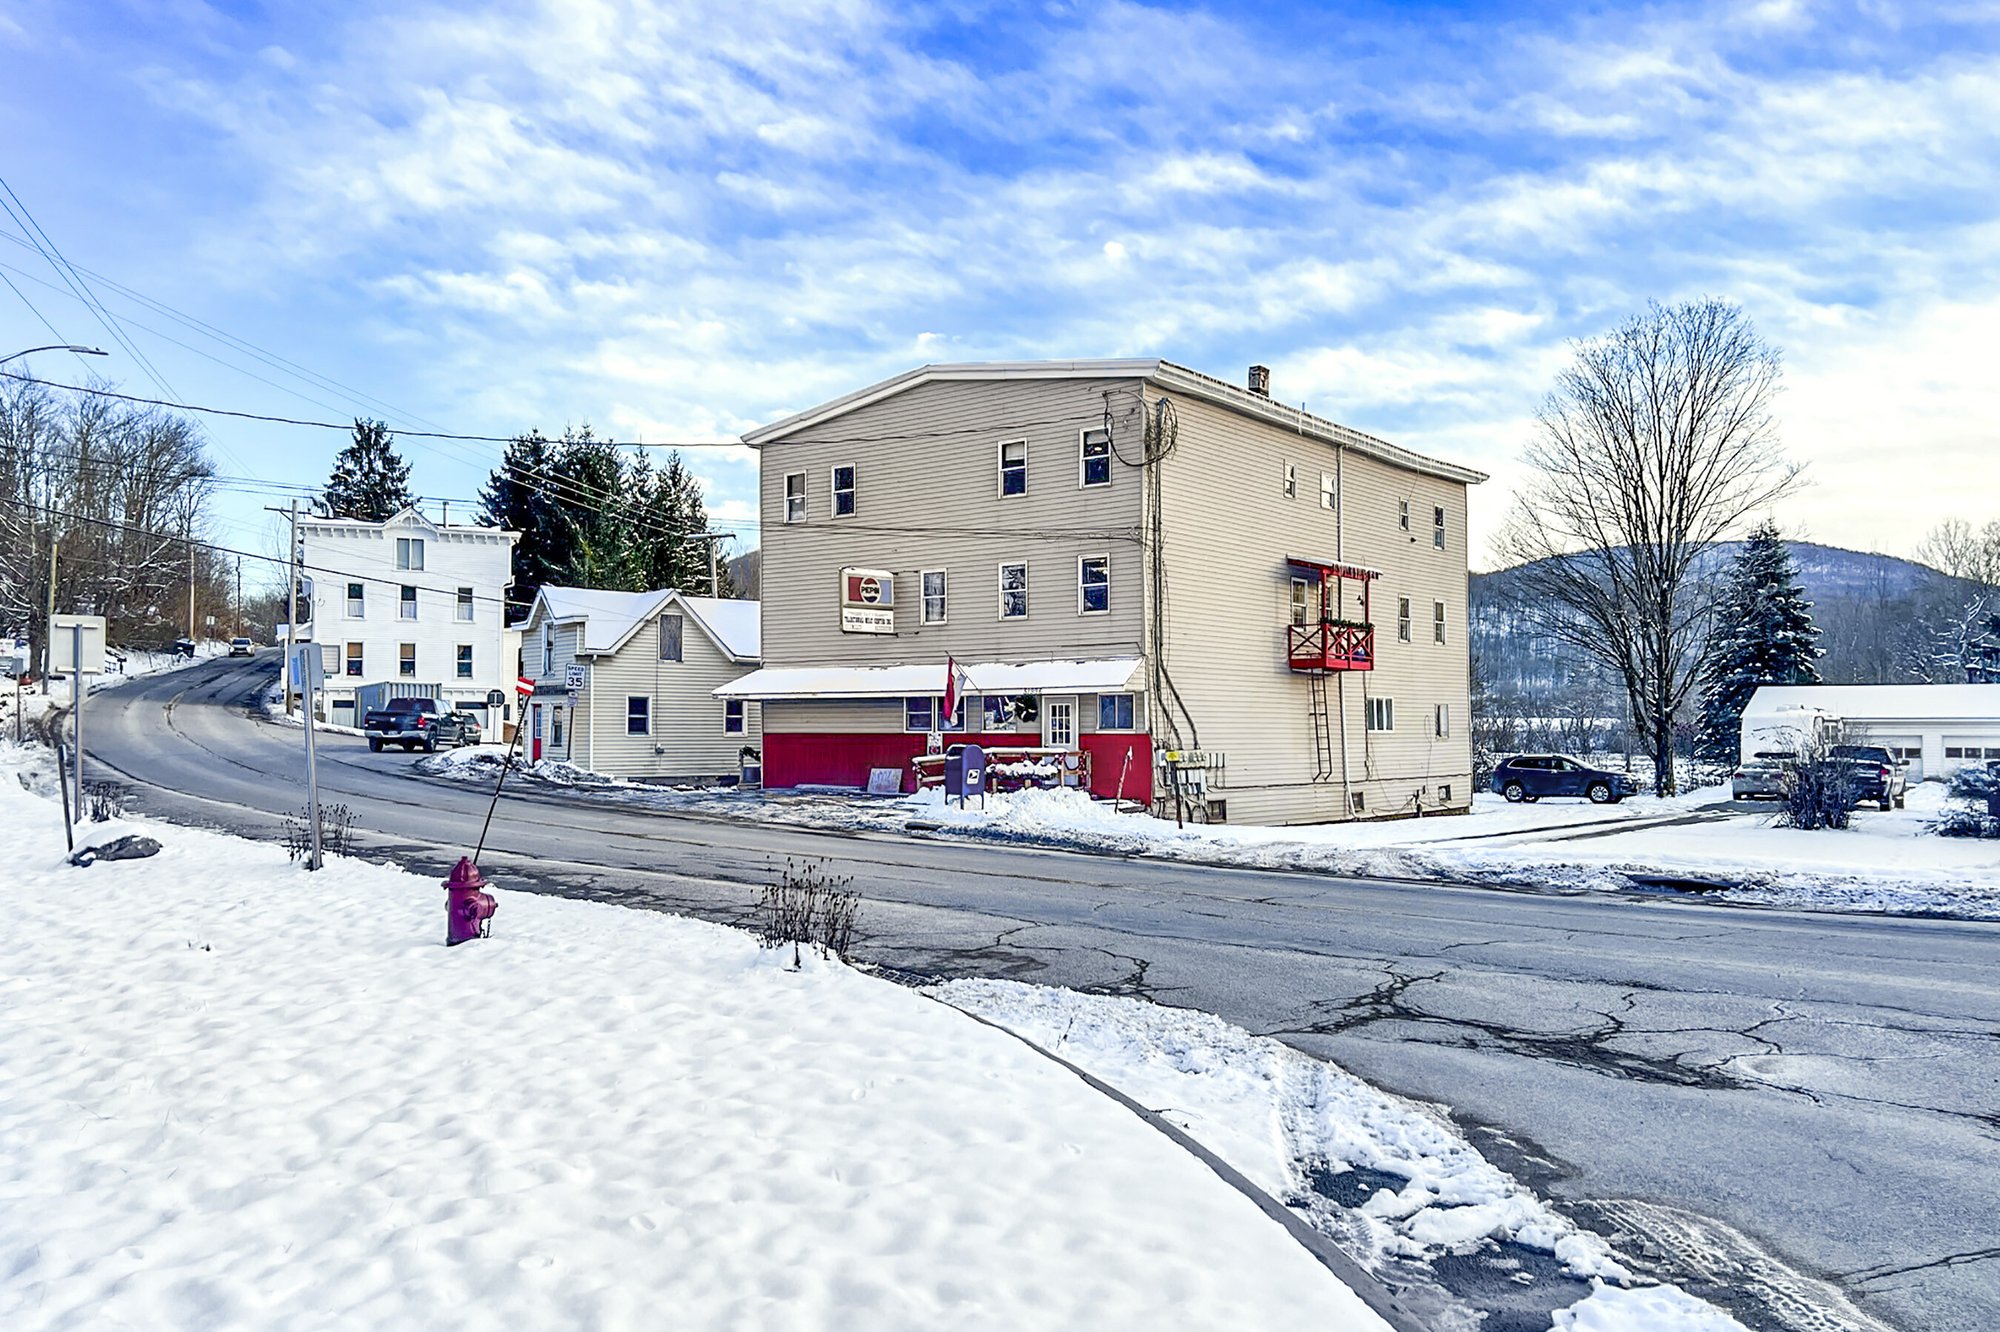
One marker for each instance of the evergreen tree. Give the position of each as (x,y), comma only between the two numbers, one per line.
(516,498)
(1764,634)
(369,481)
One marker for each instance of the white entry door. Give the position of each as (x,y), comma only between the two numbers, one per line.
(1059,722)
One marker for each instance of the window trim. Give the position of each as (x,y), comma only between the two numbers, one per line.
(1131,709)
(679,638)
(410,554)
(1437,527)
(1299,603)
(1329,492)
(1081,560)
(833,485)
(463,608)
(645,714)
(1000,463)
(406,596)
(930,714)
(1382,709)
(1291,481)
(1403,515)
(410,658)
(356,659)
(1406,627)
(988,721)
(735,716)
(1441,721)
(785,498)
(1437,621)
(357,606)
(548,647)
(1027,586)
(462,662)
(924,596)
(1082,470)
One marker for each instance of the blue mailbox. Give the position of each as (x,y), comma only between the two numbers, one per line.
(965,773)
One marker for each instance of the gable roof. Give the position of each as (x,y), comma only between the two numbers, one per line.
(1164,374)
(1885,702)
(610,618)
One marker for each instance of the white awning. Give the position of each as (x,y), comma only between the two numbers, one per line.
(1111,675)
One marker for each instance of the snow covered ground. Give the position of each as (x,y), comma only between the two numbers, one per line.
(242,1096)
(1885,862)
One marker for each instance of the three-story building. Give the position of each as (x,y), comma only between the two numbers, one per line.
(1208,593)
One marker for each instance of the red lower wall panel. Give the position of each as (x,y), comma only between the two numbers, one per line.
(814,759)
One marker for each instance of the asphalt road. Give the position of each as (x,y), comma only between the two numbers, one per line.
(1782,1109)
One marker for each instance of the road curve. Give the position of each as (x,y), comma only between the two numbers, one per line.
(1715,1083)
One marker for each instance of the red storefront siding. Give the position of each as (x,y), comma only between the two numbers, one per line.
(814,759)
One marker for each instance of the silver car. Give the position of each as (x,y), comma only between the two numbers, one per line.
(1759,777)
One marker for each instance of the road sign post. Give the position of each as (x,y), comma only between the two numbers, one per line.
(308,668)
(76,644)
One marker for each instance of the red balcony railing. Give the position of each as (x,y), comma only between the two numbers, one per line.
(1331,645)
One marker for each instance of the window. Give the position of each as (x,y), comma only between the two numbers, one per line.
(406,660)
(1291,481)
(354,651)
(999,709)
(795,497)
(843,491)
(1437,527)
(548,648)
(1094,458)
(1114,712)
(917,714)
(1437,621)
(1381,714)
(410,553)
(465,605)
(933,581)
(1444,793)
(465,661)
(1329,492)
(673,629)
(1013,591)
(407,607)
(1014,468)
(1301,601)
(956,721)
(1403,514)
(1358,801)
(1954,751)
(1093,584)
(357,601)
(732,716)
(638,715)
(556,727)
(1441,721)
(1403,618)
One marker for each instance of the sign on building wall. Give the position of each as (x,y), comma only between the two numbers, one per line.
(867,601)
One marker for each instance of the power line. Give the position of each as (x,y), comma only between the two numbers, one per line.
(39,315)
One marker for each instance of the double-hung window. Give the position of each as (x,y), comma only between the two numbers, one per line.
(1094,458)
(673,632)
(354,659)
(1093,584)
(465,661)
(410,553)
(934,600)
(1437,621)
(1302,600)
(1437,527)
(1403,514)
(1381,714)
(465,605)
(357,601)
(918,713)
(843,491)
(1014,468)
(1329,491)
(638,714)
(1441,723)
(795,497)
(1291,481)
(732,716)
(406,660)
(548,648)
(1403,619)
(1013,591)
(1114,712)
(955,719)
(407,605)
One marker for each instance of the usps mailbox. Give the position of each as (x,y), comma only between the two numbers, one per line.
(965,773)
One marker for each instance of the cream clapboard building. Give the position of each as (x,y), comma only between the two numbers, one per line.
(1125,558)
(411,606)
(647,665)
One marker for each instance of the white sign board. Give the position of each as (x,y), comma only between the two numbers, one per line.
(308,666)
(65,645)
(867,601)
(573,678)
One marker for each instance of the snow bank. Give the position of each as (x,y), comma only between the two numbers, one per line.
(241,1096)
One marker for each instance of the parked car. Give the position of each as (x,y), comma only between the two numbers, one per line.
(241,647)
(1529,777)
(183,647)
(1759,777)
(1879,776)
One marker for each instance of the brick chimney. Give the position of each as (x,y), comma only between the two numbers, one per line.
(1260,380)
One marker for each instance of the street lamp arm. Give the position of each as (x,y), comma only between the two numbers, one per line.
(80,351)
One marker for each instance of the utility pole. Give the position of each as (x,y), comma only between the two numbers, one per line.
(49,625)
(714,568)
(190,549)
(239,594)
(296,675)
(292,618)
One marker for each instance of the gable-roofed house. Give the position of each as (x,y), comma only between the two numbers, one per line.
(648,665)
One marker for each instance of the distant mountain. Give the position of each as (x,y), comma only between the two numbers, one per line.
(746,573)
(1829,572)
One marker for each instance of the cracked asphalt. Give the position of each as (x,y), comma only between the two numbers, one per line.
(1788,1111)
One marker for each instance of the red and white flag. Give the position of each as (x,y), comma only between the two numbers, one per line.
(523,685)
(956,682)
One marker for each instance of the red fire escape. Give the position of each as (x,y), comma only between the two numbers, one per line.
(1321,639)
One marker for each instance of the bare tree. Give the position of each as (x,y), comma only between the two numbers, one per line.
(1656,443)
(1956,550)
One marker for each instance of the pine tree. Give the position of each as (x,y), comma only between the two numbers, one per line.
(517,499)
(369,481)
(1764,634)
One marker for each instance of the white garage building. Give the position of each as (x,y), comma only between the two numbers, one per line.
(1938,728)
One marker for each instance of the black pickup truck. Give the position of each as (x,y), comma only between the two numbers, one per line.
(1880,778)
(418,722)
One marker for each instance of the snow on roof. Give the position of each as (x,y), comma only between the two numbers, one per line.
(609,618)
(736,626)
(1109,675)
(1888,702)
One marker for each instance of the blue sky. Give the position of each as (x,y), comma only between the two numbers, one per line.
(679,221)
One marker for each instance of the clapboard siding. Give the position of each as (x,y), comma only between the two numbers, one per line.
(927,497)
(1228,528)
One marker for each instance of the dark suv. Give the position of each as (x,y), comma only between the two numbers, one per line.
(1531,776)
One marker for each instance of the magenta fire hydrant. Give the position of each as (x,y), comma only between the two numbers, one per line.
(467,909)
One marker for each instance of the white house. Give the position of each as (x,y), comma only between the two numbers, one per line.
(1938,728)
(414,606)
(644,666)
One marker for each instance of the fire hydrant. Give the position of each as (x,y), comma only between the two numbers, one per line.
(468,911)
